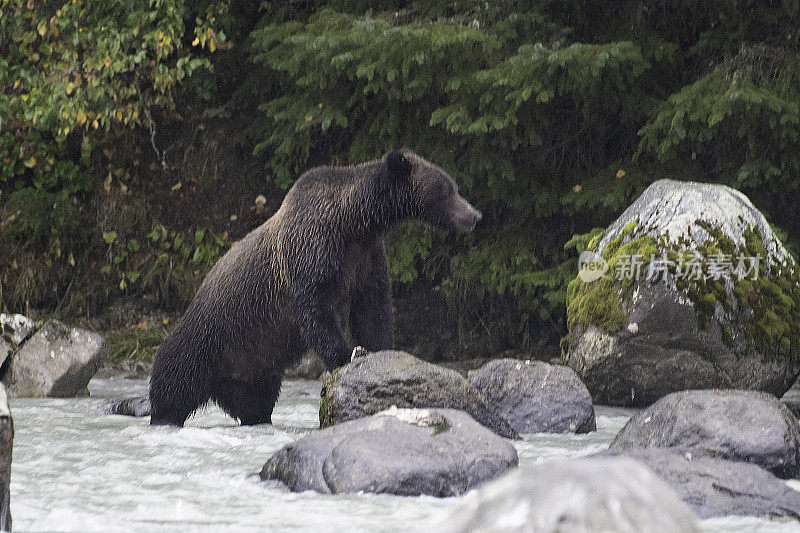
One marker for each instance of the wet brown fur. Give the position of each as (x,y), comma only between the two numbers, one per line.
(278,291)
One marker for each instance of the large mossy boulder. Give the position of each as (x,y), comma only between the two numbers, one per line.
(730,424)
(438,452)
(696,292)
(587,494)
(380,380)
(536,397)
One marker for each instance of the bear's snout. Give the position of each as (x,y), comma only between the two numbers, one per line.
(465,217)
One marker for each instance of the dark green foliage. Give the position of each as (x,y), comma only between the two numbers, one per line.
(551,116)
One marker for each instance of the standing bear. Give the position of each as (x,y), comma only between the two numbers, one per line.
(280,290)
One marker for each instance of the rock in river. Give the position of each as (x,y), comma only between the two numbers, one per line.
(585,494)
(310,366)
(738,425)
(380,380)
(718,487)
(439,452)
(688,289)
(138,406)
(56,361)
(6,447)
(536,397)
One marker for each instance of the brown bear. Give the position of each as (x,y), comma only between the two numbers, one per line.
(279,290)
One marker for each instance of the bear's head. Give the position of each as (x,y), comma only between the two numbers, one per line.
(431,192)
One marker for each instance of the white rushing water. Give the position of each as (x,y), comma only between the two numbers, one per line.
(76,469)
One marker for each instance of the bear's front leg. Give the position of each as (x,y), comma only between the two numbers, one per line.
(371,308)
(320,329)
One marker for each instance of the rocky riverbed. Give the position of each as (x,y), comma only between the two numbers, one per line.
(77,469)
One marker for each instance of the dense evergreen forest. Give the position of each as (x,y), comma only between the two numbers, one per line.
(140,138)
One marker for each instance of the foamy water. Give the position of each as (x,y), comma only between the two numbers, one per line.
(76,469)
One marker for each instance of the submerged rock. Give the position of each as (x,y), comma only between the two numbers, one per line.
(56,361)
(138,407)
(587,494)
(16,328)
(380,380)
(6,447)
(536,397)
(718,487)
(439,452)
(696,292)
(310,366)
(792,399)
(738,425)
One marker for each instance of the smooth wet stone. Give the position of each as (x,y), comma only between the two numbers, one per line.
(138,407)
(718,487)
(380,380)
(56,361)
(665,343)
(15,327)
(587,494)
(310,366)
(536,397)
(438,452)
(730,424)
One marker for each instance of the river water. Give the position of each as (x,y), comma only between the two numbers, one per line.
(77,469)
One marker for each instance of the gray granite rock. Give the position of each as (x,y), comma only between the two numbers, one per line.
(683,336)
(717,487)
(138,407)
(16,328)
(380,380)
(439,452)
(730,424)
(536,397)
(56,361)
(310,366)
(588,494)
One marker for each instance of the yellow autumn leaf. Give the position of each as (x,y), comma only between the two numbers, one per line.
(80,118)
(196,41)
(70,87)
(16,84)
(95,124)
(621,173)
(41,28)
(71,259)
(211,46)
(31,162)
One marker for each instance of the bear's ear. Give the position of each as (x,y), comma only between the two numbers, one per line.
(398,164)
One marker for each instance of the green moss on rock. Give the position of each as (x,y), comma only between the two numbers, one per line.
(600,302)
(765,305)
(327,399)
